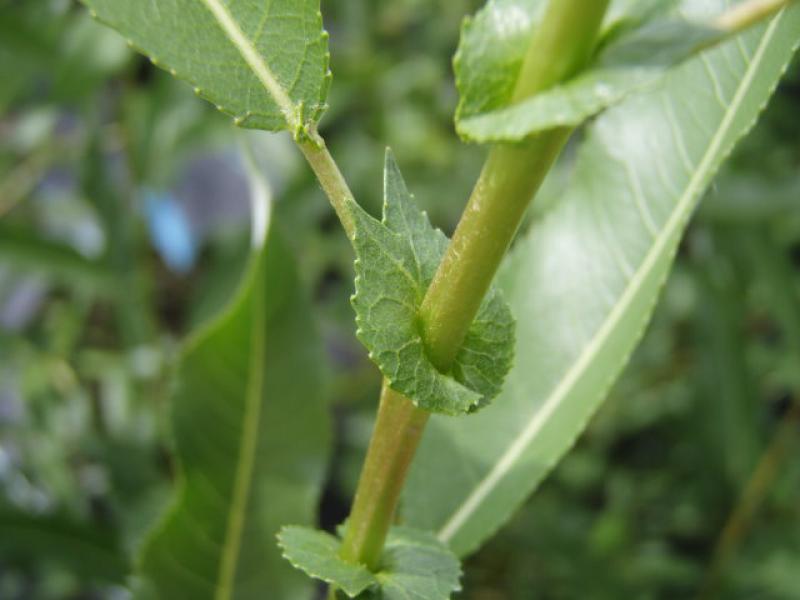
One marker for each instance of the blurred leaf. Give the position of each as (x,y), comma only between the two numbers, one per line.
(114,204)
(165,125)
(729,424)
(396,260)
(264,64)
(251,432)
(87,550)
(45,42)
(22,248)
(742,197)
(584,281)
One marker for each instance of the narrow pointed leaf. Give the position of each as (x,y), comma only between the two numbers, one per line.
(583,281)
(251,434)
(264,63)
(396,260)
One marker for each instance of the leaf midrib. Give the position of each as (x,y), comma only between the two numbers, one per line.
(255,61)
(245,463)
(482,491)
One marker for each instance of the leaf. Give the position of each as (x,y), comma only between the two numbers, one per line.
(85,549)
(251,435)
(396,260)
(41,41)
(417,565)
(584,279)
(264,63)
(414,565)
(27,251)
(727,400)
(494,43)
(316,553)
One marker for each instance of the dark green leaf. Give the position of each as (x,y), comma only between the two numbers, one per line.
(264,63)
(396,260)
(251,431)
(87,550)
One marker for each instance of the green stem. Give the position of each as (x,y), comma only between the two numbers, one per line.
(741,16)
(398,429)
(507,183)
(332,181)
(511,176)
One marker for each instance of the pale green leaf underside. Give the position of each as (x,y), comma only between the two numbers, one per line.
(316,553)
(265,62)
(585,278)
(414,565)
(251,434)
(396,260)
(630,61)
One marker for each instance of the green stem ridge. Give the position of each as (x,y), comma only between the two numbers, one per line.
(332,182)
(398,430)
(512,174)
(510,178)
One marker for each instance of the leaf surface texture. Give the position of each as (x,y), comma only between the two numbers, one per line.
(263,62)
(396,260)
(251,434)
(414,565)
(583,281)
(639,45)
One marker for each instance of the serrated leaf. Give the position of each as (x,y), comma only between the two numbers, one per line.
(584,279)
(264,63)
(396,260)
(251,434)
(632,58)
(316,553)
(414,564)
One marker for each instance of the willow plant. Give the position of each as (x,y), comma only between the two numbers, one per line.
(487,378)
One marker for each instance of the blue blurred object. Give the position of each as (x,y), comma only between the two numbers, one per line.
(170,230)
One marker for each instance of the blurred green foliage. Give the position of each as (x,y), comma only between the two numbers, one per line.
(100,151)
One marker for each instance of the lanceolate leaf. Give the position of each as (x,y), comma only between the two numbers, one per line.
(637,50)
(395,262)
(583,281)
(251,435)
(263,62)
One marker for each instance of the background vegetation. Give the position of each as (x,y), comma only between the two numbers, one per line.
(124,224)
